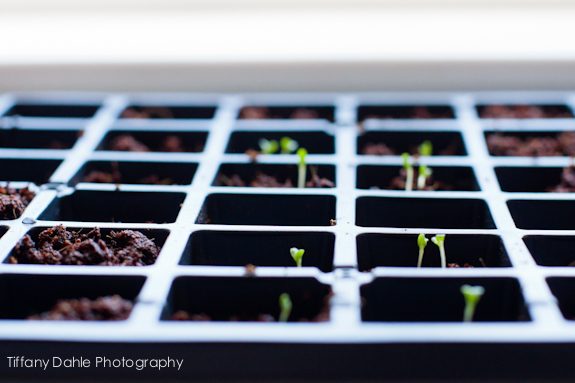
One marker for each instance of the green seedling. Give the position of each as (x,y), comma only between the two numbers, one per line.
(439,240)
(297,255)
(472,295)
(301,168)
(409,169)
(425,149)
(285,307)
(421,242)
(424,172)
(288,145)
(267,146)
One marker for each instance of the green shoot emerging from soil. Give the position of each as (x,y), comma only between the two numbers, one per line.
(439,240)
(425,149)
(421,242)
(288,146)
(297,255)
(301,168)
(409,169)
(285,307)
(472,295)
(424,172)
(268,147)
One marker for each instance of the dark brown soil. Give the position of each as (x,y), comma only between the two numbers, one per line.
(260,113)
(266,181)
(172,143)
(13,202)
(398,183)
(55,144)
(58,246)
(147,112)
(415,113)
(567,184)
(115,177)
(523,111)
(507,145)
(110,308)
(381,149)
(456,265)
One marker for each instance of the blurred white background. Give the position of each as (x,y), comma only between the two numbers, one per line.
(259,45)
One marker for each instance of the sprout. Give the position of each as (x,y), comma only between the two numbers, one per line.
(297,255)
(409,169)
(425,149)
(285,307)
(421,242)
(301,168)
(288,145)
(472,295)
(268,147)
(424,172)
(439,240)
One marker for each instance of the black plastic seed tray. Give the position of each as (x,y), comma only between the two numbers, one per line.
(165,164)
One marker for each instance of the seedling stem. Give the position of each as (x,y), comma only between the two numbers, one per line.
(439,240)
(297,255)
(424,172)
(409,169)
(285,307)
(301,168)
(472,295)
(421,242)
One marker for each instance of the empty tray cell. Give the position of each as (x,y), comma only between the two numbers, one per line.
(423,213)
(38,139)
(404,112)
(169,112)
(563,288)
(534,179)
(36,171)
(531,144)
(124,247)
(440,300)
(458,178)
(262,209)
(240,248)
(154,141)
(246,299)
(543,214)
(26,295)
(524,111)
(99,206)
(394,250)
(148,173)
(45,110)
(263,175)
(313,142)
(552,250)
(287,112)
(396,143)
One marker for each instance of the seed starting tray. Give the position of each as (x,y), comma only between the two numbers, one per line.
(388,319)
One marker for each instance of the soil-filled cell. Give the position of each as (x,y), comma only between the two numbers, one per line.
(396,250)
(396,143)
(46,110)
(169,112)
(234,248)
(435,213)
(38,139)
(104,206)
(441,300)
(154,141)
(530,144)
(313,142)
(528,179)
(261,209)
(26,295)
(246,299)
(404,112)
(287,112)
(523,111)
(143,173)
(459,178)
(265,175)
